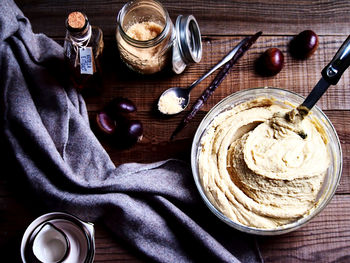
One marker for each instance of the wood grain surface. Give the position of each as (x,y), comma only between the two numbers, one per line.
(223,23)
(325,239)
(279,17)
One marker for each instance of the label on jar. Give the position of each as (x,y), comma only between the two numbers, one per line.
(86,60)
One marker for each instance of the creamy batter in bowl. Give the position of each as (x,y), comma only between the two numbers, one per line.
(258,178)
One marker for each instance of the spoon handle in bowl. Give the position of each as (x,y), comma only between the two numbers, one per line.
(341,61)
(330,74)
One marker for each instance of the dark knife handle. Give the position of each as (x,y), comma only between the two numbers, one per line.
(341,61)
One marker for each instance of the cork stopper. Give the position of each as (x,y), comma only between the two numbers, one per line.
(76,21)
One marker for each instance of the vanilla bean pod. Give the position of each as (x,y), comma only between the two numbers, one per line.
(215,83)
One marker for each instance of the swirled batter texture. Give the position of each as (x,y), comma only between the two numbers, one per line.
(257,169)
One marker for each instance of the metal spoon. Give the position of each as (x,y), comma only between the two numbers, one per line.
(184,93)
(330,76)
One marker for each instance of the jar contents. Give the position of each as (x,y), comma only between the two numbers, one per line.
(145,36)
(260,172)
(169,103)
(144,31)
(83,48)
(148,59)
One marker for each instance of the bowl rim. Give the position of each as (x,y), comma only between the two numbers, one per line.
(253,230)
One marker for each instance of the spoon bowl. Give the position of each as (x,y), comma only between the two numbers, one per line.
(181,93)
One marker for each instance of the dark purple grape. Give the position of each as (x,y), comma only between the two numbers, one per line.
(129,132)
(105,123)
(304,44)
(270,62)
(119,107)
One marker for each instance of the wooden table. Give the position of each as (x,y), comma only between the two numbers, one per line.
(223,23)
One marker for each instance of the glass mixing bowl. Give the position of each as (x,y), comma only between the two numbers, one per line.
(333,174)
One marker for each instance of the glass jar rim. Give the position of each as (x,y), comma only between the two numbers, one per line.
(147,43)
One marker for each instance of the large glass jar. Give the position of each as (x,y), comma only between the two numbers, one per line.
(140,52)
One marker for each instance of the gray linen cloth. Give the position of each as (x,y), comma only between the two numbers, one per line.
(155,208)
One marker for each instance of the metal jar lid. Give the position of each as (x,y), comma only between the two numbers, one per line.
(187,47)
(78,234)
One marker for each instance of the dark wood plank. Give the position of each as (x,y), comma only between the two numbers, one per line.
(297,75)
(110,249)
(341,122)
(16,213)
(326,238)
(278,17)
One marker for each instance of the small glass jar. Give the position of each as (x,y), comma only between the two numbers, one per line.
(179,45)
(83,47)
(145,56)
